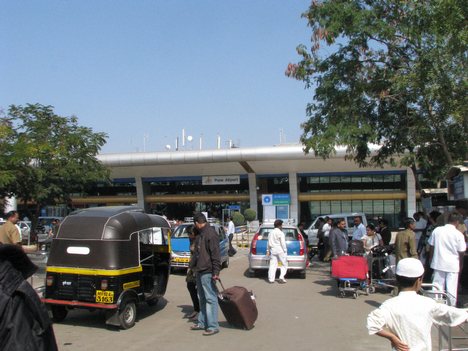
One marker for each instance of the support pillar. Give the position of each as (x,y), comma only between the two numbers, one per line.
(142,190)
(410,192)
(293,192)
(253,192)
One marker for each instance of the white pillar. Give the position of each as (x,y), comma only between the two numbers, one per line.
(293,192)
(140,188)
(410,192)
(253,192)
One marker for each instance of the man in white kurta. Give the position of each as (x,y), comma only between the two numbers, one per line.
(278,252)
(447,249)
(406,320)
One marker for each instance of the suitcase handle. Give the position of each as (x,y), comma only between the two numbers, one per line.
(220,282)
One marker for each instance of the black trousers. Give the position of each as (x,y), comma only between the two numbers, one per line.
(192,288)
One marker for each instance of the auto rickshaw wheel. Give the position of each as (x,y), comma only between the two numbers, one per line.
(59,313)
(127,315)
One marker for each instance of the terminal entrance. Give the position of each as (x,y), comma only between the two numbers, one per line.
(186,209)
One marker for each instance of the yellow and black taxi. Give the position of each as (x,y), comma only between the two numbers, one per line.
(108,258)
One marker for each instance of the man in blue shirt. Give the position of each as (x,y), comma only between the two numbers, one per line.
(359,228)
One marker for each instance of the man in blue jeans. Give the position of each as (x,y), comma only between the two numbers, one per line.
(206,263)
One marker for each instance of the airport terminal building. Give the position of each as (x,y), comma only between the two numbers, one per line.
(280,178)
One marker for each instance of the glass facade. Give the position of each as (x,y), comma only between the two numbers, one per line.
(194,185)
(392,210)
(352,183)
(118,187)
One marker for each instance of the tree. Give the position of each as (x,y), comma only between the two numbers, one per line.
(394,73)
(7,173)
(250,215)
(238,218)
(51,156)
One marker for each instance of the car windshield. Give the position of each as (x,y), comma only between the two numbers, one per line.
(289,233)
(182,231)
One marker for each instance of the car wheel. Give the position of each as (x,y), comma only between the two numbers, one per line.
(59,313)
(302,274)
(127,315)
(226,263)
(251,273)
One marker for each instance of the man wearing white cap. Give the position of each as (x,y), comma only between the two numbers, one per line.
(406,319)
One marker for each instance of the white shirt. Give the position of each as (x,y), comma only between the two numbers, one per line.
(277,242)
(359,232)
(410,317)
(421,224)
(419,227)
(371,241)
(447,242)
(326,230)
(231,228)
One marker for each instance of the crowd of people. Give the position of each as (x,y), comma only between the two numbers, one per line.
(430,248)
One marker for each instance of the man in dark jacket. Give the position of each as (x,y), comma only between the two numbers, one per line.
(339,239)
(206,264)
(24,322)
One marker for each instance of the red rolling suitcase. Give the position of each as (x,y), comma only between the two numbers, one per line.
(238,306)
(350,267)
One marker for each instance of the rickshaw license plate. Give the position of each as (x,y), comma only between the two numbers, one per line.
(104,296)
(181,259)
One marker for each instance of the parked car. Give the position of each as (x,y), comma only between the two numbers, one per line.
(180,245)
(295,243)
(312,231)
(25,229)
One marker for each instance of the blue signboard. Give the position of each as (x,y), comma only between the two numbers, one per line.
(234,207)
(282,212)
(281,199)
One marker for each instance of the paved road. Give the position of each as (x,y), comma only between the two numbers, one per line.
(299,315)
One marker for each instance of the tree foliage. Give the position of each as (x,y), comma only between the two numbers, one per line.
(238,218)
(49,157)
(250,214)
(387,72)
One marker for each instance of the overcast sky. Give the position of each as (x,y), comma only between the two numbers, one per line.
(142,71)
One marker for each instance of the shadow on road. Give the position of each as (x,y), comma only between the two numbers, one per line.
(97,318)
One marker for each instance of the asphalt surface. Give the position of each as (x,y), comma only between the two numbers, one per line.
(300,315)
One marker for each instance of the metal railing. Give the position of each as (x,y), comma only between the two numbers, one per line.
(445,337)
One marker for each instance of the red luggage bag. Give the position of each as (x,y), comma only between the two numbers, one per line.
(350,267)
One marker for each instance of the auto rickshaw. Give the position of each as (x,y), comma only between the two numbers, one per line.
(108,258)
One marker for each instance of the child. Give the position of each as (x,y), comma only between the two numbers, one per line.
(406,319)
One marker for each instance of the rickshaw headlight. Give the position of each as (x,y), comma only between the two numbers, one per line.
(49,280)
(104,284)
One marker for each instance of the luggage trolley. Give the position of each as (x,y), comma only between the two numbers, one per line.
(382,268)
(351,273)
(446,338)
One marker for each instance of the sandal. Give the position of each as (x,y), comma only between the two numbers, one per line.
(196,327)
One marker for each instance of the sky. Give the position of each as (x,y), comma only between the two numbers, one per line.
(142,71)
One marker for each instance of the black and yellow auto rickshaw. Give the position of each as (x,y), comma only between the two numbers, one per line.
(108,258)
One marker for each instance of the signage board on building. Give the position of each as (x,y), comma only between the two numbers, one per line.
(281,199)
(276,199)
(221,180)
(267,200)
(234,207)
